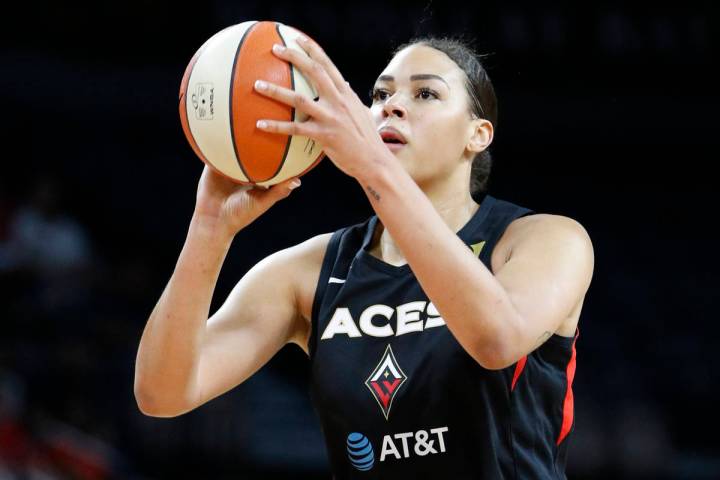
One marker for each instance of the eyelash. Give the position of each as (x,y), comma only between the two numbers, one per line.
(375,94)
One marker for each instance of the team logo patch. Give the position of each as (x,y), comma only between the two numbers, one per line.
(385,381)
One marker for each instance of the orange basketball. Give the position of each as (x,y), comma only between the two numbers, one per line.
(219,107)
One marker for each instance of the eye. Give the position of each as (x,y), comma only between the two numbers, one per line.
(427,94)
(379,95)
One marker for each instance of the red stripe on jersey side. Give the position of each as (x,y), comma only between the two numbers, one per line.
(519,367)
(569,404)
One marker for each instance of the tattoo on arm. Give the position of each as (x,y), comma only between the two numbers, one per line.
(543,338)
(375,194)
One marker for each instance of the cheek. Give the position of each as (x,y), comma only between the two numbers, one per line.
(376,112)
(444,133)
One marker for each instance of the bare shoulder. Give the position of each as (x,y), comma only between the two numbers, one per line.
(309,252)
(300,267)
(546,262)
(300,263)
(547,233)
(546,224)
(293,261)
(266,309)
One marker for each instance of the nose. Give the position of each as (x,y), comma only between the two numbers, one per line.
(393,107)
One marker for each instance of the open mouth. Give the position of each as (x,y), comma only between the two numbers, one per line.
(390,136)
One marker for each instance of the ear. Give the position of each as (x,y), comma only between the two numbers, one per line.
(481,135)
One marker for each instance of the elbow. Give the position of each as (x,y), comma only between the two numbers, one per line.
(495,365)
(495,356)
(490,362)
(150,408)
(153,405)
(501,347)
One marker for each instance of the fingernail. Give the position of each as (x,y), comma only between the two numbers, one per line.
(295,183)
(260,85)
(261,124)
(302,39)
(277,48)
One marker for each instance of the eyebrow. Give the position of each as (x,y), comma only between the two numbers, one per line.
(419,76)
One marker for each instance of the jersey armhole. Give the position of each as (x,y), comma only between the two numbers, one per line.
(325,271)
(508,213)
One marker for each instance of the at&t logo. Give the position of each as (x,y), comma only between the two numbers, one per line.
(360,451)
(395,446)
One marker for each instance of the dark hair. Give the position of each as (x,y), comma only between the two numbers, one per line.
(483,102)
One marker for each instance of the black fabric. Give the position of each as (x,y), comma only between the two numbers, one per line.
(493,431)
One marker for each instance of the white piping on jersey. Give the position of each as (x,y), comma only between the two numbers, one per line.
(336,280)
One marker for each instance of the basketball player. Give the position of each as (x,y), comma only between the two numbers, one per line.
(441,332)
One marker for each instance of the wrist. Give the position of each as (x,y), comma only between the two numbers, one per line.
(211,229)
(378,169)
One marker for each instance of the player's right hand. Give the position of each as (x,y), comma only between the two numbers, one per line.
(229,206)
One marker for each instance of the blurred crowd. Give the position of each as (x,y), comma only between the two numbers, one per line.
(72,316)
(603,118)
(57,348)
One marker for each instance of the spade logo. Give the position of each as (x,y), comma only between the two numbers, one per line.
(385,381)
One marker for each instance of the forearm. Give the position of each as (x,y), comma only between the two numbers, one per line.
(472,302)
(167,357)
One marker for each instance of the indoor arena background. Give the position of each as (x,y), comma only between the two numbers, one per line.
(608,114)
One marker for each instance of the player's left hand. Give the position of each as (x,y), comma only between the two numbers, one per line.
(338,120)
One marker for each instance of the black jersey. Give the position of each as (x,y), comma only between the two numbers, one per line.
(397,395)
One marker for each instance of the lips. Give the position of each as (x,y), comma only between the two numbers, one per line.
(391,135)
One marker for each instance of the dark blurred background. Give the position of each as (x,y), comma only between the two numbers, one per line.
(608,114)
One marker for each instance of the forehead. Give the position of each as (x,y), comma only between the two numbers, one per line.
(421,59)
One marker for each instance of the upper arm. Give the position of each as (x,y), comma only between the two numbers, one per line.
(545,265)
(268,308)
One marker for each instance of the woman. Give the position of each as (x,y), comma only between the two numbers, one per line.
(441,332)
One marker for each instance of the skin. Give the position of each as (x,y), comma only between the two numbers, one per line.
(541,267)
(433,115)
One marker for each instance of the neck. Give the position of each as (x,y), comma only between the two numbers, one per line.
(455,206)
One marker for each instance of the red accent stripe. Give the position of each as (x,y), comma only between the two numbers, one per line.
(568,405)
(519,367)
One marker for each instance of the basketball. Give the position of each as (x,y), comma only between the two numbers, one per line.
(219,107)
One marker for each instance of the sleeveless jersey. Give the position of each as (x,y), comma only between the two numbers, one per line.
(396,394)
